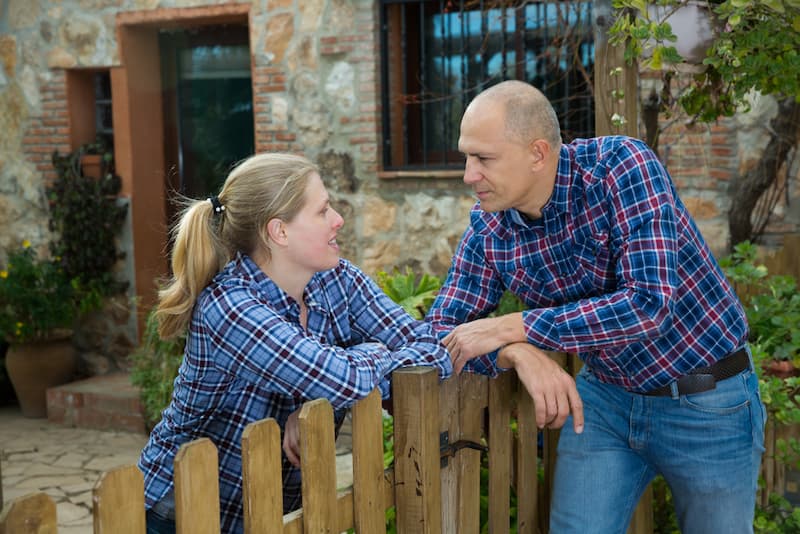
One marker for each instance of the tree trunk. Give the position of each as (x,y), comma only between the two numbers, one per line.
(747,189)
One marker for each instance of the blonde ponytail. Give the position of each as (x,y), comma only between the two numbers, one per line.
(260,188)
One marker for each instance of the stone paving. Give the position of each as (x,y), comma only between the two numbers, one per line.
(65,463)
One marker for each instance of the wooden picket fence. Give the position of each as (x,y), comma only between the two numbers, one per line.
(434,482)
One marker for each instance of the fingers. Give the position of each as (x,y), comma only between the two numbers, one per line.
(291,449)
(576,406)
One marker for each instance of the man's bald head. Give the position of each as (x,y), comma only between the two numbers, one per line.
(529,113)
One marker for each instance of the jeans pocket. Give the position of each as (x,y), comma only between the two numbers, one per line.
(730,396)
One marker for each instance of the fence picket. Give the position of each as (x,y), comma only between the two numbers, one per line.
(262,491)
(369,509)
(500,441)
(526,476)
(473,397)
(318,466)
(197,488)
(118,502)
(30,514)
(418,494)
(449,423)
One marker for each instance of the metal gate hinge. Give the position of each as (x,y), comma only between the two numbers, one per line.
(447,449)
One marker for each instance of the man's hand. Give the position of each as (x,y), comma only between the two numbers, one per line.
(482,336)
(291,438)
(551,387)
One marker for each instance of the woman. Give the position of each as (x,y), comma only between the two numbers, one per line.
(275,318)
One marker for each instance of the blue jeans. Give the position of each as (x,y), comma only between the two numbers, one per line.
(157,524)
(707,446)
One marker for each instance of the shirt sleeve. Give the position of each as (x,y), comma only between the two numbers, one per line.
(644,235)
(376,317)
(254,343)
(472,290)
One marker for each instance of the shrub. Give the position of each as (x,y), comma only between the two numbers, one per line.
(155,366)
(88,217)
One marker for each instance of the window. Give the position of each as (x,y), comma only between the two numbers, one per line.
(104,126)
(437,55)
(89,107)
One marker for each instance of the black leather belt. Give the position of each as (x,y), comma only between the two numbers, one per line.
(706,378)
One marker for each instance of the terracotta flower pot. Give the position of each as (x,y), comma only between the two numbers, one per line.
(92,165)
(35,366)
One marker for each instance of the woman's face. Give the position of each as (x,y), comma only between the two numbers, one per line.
(312,232)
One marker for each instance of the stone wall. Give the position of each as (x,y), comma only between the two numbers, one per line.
(315,66)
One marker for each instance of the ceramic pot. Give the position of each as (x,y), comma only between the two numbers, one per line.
(35,366)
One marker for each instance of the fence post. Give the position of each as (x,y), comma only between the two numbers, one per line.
(418,490)
(318,466)
(368,486)
(197,488)
(262,490)
(31,514)
(118,502)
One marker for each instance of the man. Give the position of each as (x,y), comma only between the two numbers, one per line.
(595,241)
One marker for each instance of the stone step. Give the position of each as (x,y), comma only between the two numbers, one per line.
(105,402)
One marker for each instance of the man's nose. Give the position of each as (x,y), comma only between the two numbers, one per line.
(471,173)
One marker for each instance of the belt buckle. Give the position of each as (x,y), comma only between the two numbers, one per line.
(688,384)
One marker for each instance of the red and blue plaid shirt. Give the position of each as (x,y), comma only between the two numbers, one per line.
(248,358)
(615,270)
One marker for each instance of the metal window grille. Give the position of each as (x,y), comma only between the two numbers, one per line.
(437,55)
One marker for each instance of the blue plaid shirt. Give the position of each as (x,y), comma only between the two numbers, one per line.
(615,270)
(248,358)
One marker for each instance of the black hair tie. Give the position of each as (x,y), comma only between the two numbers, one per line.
(216,204)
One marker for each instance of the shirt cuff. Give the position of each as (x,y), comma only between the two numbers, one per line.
(541,328)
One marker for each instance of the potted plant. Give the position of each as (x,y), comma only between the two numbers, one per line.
(38,306)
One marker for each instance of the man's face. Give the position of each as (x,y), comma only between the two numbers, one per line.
(500,170)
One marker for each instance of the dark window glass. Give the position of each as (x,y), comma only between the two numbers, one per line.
(437,55)
(104,125)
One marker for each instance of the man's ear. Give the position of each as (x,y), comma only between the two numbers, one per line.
(540,150)
(276,230)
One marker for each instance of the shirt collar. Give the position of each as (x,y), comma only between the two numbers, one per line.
(279,299)
(558,202)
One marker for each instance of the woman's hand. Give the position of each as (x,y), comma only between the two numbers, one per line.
(291,438)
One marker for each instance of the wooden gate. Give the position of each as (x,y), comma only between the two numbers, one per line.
(440,432)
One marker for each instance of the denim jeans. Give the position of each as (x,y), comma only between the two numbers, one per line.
(157,524)
(707,446)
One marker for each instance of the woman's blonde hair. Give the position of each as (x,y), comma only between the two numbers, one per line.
(260,188)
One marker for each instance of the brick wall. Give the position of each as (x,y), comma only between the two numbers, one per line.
(49,130)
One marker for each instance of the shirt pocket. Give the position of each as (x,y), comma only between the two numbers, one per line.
(549,278)
(596,259)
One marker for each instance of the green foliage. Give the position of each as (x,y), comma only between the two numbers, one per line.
(86,214)
(772,304)
(40,295)
(778,516)
(37,297)
(756,46)
(414,296)
(155,366)
(664,519)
